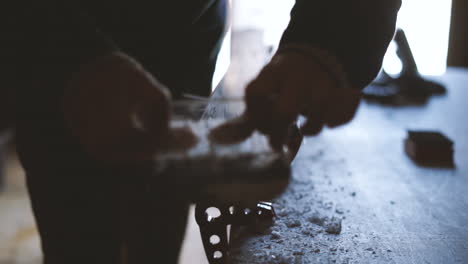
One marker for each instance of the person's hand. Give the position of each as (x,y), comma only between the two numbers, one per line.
(291,85)
(118,111)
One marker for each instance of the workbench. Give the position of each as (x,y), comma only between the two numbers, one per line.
(391,210)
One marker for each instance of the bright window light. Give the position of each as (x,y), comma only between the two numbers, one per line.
(223,61)
(392,64)
(270,16)
(425,22)
(427,27)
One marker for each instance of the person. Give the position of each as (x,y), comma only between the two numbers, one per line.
(88,84)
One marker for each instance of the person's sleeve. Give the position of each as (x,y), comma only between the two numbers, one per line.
(353,34)
(44,40)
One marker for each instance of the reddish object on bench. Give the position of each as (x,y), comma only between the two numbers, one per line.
(429,147)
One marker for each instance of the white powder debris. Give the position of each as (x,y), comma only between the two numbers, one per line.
(334,226)
(293,223)
(275,235)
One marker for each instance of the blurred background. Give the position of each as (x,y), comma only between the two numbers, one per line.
(436,31)
(427,24)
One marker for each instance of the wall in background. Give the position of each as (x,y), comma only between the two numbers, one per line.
(458,52)
(426,23)
(270,16)
(427,27)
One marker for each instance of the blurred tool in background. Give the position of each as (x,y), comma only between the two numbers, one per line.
(409,87)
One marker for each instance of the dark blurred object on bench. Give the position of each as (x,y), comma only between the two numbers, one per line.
(409,87)
(430,148)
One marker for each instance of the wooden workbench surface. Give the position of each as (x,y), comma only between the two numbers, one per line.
(391,210)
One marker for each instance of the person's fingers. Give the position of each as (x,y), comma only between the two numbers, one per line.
(313,126)
(260,86)
(154,112)
(232,132)
(259,94)
(343,108)
(181,139)
(275,143)
(278,137)
(314,112)
(261,99)
(294,141)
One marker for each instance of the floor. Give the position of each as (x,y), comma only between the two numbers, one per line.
(19,241)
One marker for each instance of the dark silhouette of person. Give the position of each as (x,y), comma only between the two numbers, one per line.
(79,73)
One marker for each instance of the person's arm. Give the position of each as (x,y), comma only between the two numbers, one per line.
(329,52)
(356,32)
(57,55)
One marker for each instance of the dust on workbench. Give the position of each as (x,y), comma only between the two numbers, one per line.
(311,224)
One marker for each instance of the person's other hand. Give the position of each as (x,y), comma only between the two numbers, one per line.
(117,110)
(291,85)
